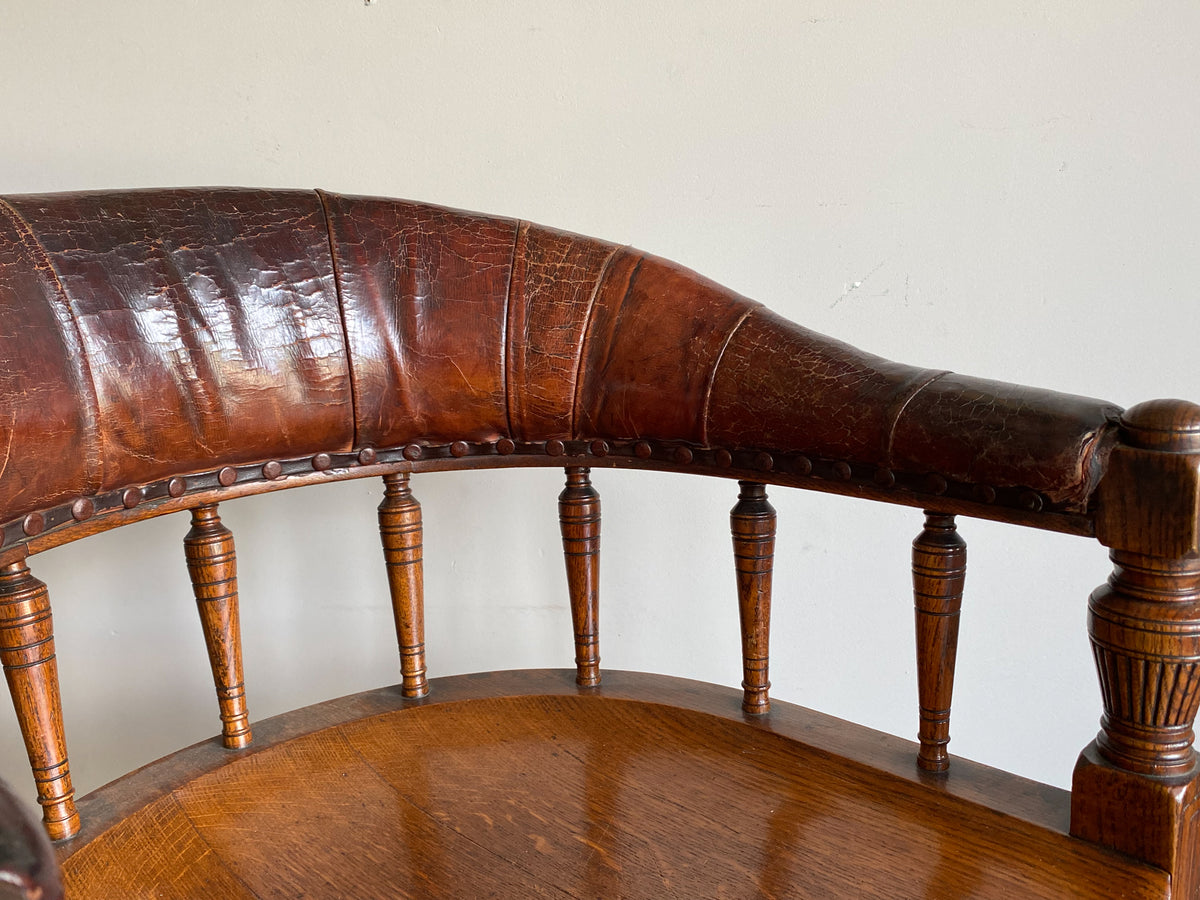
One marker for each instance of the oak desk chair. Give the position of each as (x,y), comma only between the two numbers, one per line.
(165,351)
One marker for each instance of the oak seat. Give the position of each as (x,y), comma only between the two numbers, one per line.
(520,784)
(171,350)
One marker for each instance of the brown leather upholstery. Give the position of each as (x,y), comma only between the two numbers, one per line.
(151,333)
(164,351)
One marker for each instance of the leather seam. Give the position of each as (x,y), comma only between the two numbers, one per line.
(712,377)
(337,289)
(505,360)
(915,386)
(97,477)
(585,334)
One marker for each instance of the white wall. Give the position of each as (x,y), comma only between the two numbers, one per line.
(1012,193)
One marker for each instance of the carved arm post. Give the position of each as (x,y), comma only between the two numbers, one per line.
(1135,787)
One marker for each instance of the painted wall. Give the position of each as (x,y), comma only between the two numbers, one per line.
(1011,192)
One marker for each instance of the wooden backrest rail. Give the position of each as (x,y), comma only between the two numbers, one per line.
(170,350)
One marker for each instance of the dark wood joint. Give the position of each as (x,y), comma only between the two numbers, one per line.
(1149,499)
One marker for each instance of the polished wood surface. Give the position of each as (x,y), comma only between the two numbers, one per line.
(1136,787)
(28,869)
(402,534)
(27,653)
(520,784)
(212,566)
(164,350)
(579,522)
(939,571)
(752,523)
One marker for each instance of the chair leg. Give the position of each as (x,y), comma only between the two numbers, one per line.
(27,654)
(579,521)
(752,522)
(212,565)
(939,566)
(400,531)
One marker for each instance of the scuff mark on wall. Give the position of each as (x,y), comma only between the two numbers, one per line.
(853,286)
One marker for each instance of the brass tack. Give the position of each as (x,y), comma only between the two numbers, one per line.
(227,476)
(555,448)
(505,446)
(599,448)
(842,470)
(177,486)
(412,452)
(367,456)
(35,523)
(83,508)
(131,497)
(936,484)
(682,455)
(1031,500)
(723,458)
(322,461)
(802,465)
(765,461)
(985,493)
(642,450)
(459,448)
(885,478)
(272,470)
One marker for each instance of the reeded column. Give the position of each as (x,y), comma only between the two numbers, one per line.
(212,565)
(400,531)
(1145,631)
(752,523)
(27,653)
(939,568)
(579,521)
(1135,787)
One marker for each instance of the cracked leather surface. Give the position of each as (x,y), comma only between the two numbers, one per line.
(207,324)
(149,333)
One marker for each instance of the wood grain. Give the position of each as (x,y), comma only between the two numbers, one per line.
(1135,788)
(401,531)
(212,565)
(752,523)
(520,784)
(27,653)
(579,522)
(172,349)
(939,566)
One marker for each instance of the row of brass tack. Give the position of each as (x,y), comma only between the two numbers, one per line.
(27,643)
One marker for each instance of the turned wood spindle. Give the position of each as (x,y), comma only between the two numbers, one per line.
(400,531)
(27,654)
(752,523)
(212,565)
(939,568)
(579,521)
